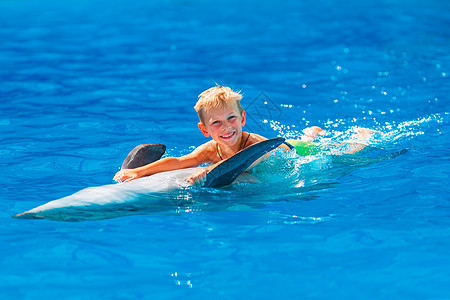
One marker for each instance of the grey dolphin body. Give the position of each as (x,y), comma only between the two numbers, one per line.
(150,192)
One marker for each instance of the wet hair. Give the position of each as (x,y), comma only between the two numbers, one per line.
(216,97)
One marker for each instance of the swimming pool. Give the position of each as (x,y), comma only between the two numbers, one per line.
(84,82)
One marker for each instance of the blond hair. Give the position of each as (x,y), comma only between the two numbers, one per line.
(215,97)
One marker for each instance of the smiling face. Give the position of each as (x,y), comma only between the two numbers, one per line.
(224,125)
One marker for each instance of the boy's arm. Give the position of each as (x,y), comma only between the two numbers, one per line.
(195,158)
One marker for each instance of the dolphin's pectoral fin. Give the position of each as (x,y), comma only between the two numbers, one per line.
(143,155)
(227,171)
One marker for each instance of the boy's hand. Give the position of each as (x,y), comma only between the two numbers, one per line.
(126,175)
(198,177)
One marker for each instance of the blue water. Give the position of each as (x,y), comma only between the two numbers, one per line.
(83,82)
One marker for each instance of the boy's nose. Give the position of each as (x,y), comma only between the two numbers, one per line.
(226,125)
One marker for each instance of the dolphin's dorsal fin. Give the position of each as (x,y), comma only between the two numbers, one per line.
(143,155)
(227,171)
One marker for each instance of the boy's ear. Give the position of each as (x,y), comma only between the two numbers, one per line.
(203,129)
(243,118)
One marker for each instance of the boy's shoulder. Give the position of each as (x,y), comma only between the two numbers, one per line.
(254,138)
(206,151)
(210,145)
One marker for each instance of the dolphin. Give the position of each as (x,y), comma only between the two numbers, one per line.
(156,191)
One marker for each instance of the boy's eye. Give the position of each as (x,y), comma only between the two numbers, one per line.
(215,123)
(231,117)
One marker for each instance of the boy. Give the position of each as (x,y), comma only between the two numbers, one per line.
(221,117)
